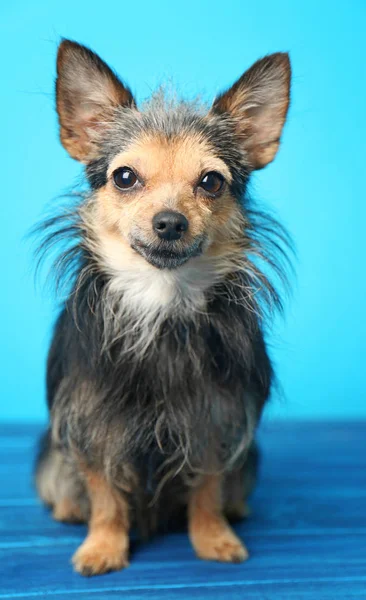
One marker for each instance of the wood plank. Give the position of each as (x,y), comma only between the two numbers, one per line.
(306,536)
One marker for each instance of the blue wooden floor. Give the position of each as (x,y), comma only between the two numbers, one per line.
(306,536)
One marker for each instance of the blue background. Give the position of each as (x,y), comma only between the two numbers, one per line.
(316,183)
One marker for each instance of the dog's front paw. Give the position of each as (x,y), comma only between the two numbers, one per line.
(222,545)
(98,557)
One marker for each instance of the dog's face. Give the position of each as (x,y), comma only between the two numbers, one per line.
(167,181)
(164,198)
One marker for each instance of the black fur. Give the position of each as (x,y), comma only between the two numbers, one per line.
(221,353)
(191,402)
(218,130)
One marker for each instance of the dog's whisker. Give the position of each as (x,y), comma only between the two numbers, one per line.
(158,370)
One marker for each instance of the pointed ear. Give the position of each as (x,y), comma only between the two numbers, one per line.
(87,92)
(258,104)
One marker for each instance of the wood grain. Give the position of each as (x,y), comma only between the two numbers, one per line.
(306,535)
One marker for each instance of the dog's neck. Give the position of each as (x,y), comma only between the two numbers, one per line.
(137,298)
(148,291)
(153,291)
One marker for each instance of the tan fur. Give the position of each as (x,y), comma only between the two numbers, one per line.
(106,546)
(258,103)
(67,511)
(87,94)
(209,531)
(171,172)
(170,166)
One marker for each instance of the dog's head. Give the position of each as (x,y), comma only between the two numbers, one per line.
(167,179)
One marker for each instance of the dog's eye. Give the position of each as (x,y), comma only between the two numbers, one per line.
(124,178)
(212,182)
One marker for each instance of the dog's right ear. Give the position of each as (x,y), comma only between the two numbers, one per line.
(87,94)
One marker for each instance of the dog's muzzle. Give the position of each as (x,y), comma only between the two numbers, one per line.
(169,248)
(167,255)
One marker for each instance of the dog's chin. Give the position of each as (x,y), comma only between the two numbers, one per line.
(165,256)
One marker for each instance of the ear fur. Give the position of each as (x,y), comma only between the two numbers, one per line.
(87,93)
(258,103)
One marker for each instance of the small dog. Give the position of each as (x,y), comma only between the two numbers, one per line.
(158,370)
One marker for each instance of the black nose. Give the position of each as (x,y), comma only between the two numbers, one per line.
(170,225)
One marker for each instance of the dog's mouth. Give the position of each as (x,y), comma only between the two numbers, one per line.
(167,255)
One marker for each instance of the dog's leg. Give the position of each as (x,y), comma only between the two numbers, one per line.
(209,530)
(60,485)
(67,511)
(106,546)
(236,490)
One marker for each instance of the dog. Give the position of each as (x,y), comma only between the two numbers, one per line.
(158,370)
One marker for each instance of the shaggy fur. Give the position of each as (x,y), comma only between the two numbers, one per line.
(157,376)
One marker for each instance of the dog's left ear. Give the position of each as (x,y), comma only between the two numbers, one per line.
(258,104)
(87,94)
